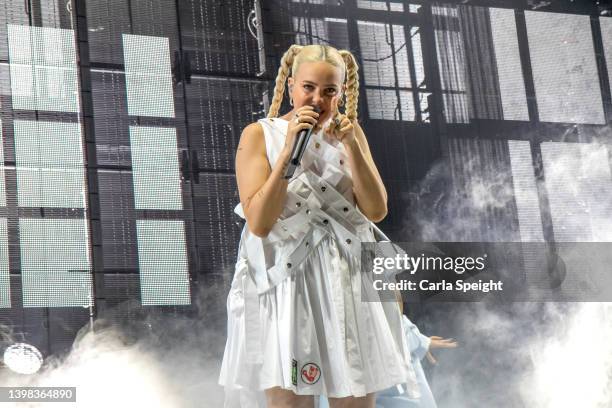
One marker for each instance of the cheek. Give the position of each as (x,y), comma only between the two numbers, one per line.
(300,94)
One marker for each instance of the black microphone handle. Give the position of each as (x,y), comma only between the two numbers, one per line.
(299,147)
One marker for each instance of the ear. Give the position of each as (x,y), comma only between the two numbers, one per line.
(290,83)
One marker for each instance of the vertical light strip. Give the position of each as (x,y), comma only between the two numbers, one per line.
(417,52)
(5,276)
(50,166)
(148,76)
(382,73)
(509,70)
(162,255)
(579,185)
(162,249)
(2,183)
(525,191)
(564,67)
(606,35)
(155,168)
(55,266)
(43,68)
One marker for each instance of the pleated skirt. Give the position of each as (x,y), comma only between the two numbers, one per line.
(317,336)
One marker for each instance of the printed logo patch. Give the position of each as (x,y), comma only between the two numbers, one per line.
(294,368)
(310,373)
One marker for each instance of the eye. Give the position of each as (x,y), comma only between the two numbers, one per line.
(306,86)
(331,90)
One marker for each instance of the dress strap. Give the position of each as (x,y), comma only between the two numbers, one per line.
(274,136)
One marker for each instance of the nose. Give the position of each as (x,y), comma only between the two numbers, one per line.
(316,100)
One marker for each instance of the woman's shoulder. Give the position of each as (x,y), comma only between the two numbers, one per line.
(262,135)
(254,127)
(252,138)
(258,127)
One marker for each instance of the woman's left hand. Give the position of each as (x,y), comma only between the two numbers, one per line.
(340,127)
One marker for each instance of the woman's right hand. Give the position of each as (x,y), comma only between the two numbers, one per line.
(306,119)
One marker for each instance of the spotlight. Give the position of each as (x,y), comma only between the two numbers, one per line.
(23,358)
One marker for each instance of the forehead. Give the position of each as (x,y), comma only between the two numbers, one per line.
(319,72)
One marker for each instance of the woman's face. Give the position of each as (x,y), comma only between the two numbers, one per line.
(318,84)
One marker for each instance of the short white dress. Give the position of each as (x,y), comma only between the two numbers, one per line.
(296,318)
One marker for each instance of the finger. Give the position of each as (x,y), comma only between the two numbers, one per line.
(304,108)
(332,127)
(435,344)
(302,126)
(305,125)
(448,345)
(335,105)
(307,119)
(344,121)
(346,128)
(309,114)
(436,338)
(336,123)
(431,358)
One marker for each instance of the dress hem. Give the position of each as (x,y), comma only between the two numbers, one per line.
(372,389)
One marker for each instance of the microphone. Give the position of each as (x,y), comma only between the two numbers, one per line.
(299,147)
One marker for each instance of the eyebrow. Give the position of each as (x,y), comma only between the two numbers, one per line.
(314,83)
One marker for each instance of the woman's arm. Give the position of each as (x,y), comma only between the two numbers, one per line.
(368,188)
(262,190)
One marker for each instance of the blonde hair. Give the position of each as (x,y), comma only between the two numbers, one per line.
(297,54)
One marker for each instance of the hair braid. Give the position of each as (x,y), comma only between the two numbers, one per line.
(281,79)
(352,84)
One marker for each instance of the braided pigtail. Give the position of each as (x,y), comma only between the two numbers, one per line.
(352,84)
(281,79)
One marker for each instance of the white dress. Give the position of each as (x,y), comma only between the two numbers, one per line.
(295,315)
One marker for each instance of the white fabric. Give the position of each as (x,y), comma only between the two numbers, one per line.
(295,302)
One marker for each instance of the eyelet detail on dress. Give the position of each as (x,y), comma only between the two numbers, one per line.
(348,241)
(341,162)
(317,145)
(323,188)
(298,204)
(345,209)
(288,264)
(325,221)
